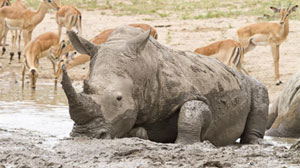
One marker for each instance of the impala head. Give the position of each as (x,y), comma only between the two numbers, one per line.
(51,4)
(4,3)
(64,47)
(33,77)
(64,60)
(284,13)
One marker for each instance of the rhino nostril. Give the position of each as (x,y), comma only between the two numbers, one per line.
(119,98)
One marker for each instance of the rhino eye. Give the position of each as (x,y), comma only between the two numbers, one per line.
(119,98)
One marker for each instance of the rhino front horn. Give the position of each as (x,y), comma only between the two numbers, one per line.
(82,108)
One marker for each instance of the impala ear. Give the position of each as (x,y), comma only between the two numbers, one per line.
(276,10)
(294,8)
(82,45)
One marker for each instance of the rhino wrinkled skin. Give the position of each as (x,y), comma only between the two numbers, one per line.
(138,87)
(284,113)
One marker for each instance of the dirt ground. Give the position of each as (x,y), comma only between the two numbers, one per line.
(23,148)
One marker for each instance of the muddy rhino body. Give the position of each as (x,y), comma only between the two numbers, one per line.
(138,87)
(284,118)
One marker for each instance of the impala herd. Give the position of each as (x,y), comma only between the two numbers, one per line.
(18,19)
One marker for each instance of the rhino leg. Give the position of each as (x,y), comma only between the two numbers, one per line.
(273,113)
(139,132)
(258,117)
(194,118)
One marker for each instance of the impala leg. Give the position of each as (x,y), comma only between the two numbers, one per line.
(54,71)
(29,35)
(19,45)
(53,65)
(241,67)
(59,30)
(23,74)
(275,53)
(78,25)
(68,27)
(13,42)
(69,23)
(4,40)
(25,37)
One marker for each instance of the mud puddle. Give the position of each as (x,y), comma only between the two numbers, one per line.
(43,110)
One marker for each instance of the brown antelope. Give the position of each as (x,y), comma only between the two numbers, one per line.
(16,34)
(229,52)
(268,33)
(66,46)
(35,50)
(25,20)
(3,3)
(68,16)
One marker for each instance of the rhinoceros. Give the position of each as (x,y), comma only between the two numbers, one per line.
(138,87)
(284,117)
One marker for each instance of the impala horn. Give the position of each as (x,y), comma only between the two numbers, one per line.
(287,9)
(280,6)
(82,108)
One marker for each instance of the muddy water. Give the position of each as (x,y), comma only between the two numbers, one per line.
(43,110)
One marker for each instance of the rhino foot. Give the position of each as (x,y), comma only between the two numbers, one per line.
(139,132)
(194,118)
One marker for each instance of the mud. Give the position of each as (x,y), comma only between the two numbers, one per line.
(22,148)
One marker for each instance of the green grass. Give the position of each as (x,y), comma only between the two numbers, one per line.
(182,9)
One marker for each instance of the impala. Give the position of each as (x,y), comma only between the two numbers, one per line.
(229,52)
(16,34)
(25,20)
(268,33)
(37,49)
(68,16)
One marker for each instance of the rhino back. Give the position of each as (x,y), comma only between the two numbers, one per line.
(182,76)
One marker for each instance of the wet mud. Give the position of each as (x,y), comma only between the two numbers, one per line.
(23,148)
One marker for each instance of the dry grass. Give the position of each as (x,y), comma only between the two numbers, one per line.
(182,9)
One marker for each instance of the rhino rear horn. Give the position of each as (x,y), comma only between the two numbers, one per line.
(138,43)
(82,45)
(82,108)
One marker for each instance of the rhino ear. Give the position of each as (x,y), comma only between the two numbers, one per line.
(82,45)
(138,43)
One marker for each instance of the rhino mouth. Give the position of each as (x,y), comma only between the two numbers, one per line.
(93,129)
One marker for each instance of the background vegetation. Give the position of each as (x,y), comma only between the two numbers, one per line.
(183,9)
